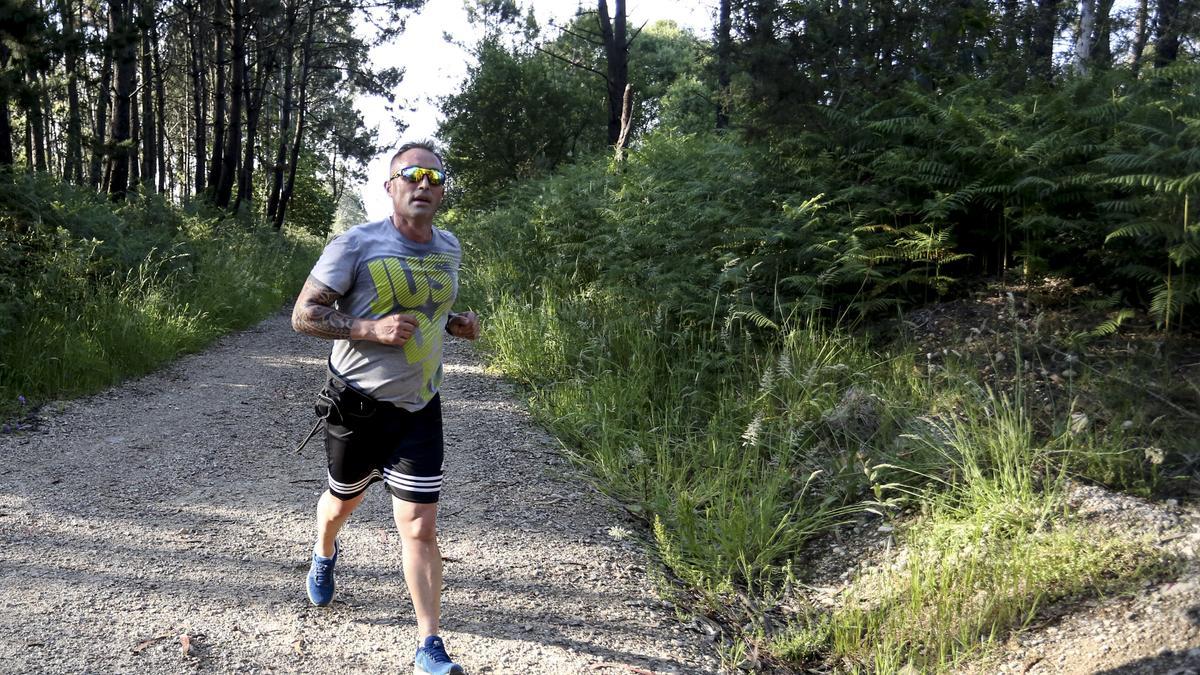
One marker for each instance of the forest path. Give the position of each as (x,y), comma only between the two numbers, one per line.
(176,505)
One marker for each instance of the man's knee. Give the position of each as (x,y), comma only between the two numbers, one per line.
(417,522)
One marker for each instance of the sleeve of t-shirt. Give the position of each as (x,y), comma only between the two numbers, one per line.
(335,268)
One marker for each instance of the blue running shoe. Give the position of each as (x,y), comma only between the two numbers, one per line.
(320,578)
(432,659)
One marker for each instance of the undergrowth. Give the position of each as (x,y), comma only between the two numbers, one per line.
(95,293)
(682,322)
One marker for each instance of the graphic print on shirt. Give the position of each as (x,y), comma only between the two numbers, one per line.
(421,286)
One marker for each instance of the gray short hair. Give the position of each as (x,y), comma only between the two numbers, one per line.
(421,144)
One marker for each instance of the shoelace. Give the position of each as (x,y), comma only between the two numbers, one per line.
(437,652)
(322,570)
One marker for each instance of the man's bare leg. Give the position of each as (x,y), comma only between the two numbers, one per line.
(422,562)
(332,514)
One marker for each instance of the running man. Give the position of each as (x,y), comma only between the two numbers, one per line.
(382,292)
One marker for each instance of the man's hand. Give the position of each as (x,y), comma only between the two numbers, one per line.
(393,329)
(463,325)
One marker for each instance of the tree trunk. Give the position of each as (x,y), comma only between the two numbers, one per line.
(73,168)
(53,158)
(285,119)
(99,166)
(36,121)
(6,150)
(199,75)
(1042,40)
(28,145)
(220,25)
(160,111)
(1102,43)
(1141,34)
(1166,33)
(1011,25)
(305,72)
(135,124)
(233,130)
(123,36)
(254,102)
(616,53)
(146,93)
(1084,35)
(724,65)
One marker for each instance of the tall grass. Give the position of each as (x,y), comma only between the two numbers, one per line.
(994,546)
(739,464)
(102,293)
(683,344)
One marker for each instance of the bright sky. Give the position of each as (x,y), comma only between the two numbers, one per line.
(440,68)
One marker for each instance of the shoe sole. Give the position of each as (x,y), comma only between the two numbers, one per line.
(318,604)
(418,670)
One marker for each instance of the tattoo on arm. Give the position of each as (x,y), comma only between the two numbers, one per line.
(314,313)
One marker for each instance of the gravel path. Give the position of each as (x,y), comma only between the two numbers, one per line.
(173,512)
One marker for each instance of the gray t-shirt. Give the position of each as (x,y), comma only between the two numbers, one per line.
(379,272)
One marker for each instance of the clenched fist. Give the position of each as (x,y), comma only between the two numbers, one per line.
(393,329)
(463,325)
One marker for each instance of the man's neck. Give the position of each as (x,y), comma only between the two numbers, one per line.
(414,230)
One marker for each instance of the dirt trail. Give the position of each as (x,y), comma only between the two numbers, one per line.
(176,505)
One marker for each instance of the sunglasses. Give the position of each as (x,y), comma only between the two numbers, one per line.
(415,174)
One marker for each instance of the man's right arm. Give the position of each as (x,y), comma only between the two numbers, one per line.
(314,315)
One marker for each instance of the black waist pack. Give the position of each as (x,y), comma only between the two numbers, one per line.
(341,404)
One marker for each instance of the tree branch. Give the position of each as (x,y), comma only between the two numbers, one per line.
(635,34)
(577,64)
(590,38)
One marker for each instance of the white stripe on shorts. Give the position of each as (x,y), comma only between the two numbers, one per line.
(349,488)
(411,483)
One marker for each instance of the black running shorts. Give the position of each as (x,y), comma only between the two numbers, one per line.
(401,448)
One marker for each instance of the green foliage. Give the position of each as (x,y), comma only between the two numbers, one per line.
(1154,173)
(521,112)
(312,207)
(96,293)
(1096,180)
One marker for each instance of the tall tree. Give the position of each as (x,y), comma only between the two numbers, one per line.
(266,56)
(100,167)
(122,35)
(149,120)
(6,151)
(1166,32)
(724,64)
(199,85)
(160,109)
(1041,41)
(616,53)
(72,48)
(1141,34)
(285,108)
(1084,34)
(220,96)
(35,121)
(233,128)
(306,53)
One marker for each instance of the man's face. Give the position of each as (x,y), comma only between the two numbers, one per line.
(420,200)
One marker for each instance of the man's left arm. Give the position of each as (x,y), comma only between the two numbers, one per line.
(463,325)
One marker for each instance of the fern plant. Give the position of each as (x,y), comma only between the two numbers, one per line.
(1156,174)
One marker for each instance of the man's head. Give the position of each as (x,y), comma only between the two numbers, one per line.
(416,181)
